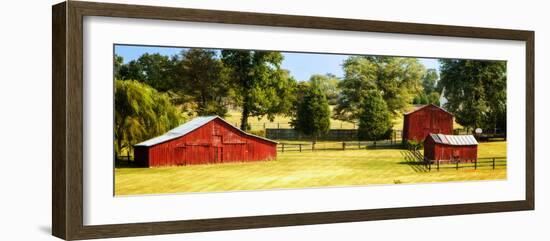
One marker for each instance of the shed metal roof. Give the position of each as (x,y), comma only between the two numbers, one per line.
(189,127)
(455,140)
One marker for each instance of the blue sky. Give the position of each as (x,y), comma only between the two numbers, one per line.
(300,65)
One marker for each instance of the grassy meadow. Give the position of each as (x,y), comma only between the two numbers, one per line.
(302,170)
(281,121)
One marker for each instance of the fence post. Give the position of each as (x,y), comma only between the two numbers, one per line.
(343,146)
(475,164)
(429,165)
(359,144)
(300,147)
(312,146)
(283,147)
(457,161)
(493,163)
(437,165)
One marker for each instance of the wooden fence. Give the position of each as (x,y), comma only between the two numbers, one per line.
(486,162)
(331,135)
(344,145)
(490,162)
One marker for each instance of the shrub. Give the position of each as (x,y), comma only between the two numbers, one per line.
(415,145)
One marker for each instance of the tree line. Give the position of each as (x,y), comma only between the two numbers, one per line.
(155,93)
(197,82)
(476,92)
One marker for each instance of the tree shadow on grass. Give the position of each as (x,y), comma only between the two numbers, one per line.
(413,162)
(126,164)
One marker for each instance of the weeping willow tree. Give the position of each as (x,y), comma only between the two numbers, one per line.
(141,113)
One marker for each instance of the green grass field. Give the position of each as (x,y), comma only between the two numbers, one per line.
(301,170)
(280,121)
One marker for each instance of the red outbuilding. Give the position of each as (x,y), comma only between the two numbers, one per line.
(422,121)
(203,140)
(448,148)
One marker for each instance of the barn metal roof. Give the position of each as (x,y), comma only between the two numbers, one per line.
(189,127)
(455,140)
(424,106)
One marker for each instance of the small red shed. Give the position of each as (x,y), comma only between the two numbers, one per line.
(420,122)
(203,140)
(447,148)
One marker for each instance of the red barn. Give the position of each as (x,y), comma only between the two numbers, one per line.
(446,148)
(203,140)
(424,120)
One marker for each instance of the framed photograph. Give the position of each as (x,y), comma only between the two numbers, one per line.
(171,120)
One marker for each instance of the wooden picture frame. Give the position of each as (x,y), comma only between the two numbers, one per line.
(67,124)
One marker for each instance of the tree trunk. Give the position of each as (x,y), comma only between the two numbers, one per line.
(202,105)
(120,131)
(119,144)
(245,85)
(244,116)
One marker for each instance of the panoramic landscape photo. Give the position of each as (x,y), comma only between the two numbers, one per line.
(212,120)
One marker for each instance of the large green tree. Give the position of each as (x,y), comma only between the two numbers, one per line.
(141,113)
(476,92)
(430,93)
(203,77)
(313,113)
(397,79)
(429,81)
(328,83)
(118,65)
(375,118)
(262,87)
(155,70)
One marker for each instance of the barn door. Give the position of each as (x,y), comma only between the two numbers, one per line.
(216,148)
(456,153)
(218,154)
(179,155)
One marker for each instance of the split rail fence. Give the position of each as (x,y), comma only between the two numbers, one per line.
(343,145)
